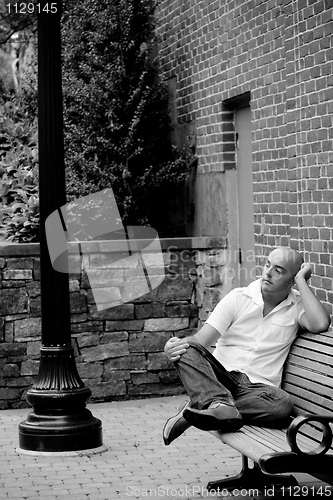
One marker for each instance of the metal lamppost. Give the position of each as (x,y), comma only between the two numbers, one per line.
(60,420)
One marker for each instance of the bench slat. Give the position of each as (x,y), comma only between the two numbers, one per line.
(274,435)
(303,403)
(316,385)
(254,442)
(317,366)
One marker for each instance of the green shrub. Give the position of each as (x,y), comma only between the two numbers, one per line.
(19,202)
(117,123)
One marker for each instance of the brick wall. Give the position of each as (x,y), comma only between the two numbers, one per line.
(280,54)
(119,350)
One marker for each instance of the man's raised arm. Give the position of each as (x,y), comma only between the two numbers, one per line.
(315,317)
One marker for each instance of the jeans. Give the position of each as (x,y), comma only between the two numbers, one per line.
(206,380)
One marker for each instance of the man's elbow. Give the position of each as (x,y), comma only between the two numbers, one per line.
(320,326)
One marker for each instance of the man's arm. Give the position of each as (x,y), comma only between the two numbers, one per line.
(175,347)
(315,317)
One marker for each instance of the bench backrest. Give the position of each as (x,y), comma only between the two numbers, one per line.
(308,375)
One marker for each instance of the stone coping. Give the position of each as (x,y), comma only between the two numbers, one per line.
(191,243)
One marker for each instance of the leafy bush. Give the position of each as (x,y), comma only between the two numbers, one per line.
(19,200)
(117,125)
(118,131)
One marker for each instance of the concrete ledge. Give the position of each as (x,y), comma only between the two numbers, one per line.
(195,243)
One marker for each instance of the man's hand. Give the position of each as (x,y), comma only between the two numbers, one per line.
(315,318)
(304,273)
(174,348)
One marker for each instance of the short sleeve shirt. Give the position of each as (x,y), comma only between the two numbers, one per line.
(251,343)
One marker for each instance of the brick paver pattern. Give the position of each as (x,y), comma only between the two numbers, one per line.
(136,463)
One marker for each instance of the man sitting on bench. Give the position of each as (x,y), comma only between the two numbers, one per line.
(254,328)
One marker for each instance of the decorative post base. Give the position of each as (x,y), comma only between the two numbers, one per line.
(60,420)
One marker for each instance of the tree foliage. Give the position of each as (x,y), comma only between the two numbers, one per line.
(117,125)
(12,22)
(116,108)
(19,203)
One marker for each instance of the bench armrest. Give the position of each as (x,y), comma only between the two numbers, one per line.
(301,420)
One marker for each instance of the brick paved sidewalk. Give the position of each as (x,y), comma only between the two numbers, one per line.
(136,463)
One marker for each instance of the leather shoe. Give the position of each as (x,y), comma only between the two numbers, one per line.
(217,416)
(176,425)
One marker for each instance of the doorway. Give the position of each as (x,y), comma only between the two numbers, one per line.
(246,255)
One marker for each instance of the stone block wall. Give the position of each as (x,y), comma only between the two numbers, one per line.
(119,351)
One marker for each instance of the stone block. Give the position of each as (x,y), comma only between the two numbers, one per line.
(2,263)
(105,390)
(108,295)
(136,288)
(36,269)
(13,283)
(212,276)
(119,312)
(78,318)
(87,326)
(9,331)
(20,263)
(29,367)
(12,349)
(105,351)
(129,325)
(181,309)
(148,341)
(105,277)
(132,362)
(13,301)
(159,361)
(10,370)
(150,310)
(17,274)
(109,337)
(33,349)
(9,393)
(175,288)
(20,382)
(2,330)
(144,378)
(74,285)
(116,375)
(28,328)
(87,339)
(165,324)
(90,370)
(78,302)
(33,289)
(211,298)
(35,307)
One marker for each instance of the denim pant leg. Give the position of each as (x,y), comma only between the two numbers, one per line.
(262,404)
(204,378)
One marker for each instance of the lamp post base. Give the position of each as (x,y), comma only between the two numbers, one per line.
(60,432)
(60,420)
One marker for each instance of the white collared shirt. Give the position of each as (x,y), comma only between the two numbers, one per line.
(251,343)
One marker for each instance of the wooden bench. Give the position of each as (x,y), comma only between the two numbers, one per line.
(306,446)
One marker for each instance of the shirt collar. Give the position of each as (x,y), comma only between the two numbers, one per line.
(253,290)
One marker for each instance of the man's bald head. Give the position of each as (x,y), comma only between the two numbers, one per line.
(290,258)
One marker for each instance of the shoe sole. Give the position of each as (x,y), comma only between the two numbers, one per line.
(175,418)
(211,423)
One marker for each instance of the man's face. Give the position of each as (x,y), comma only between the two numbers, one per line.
(279,271)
